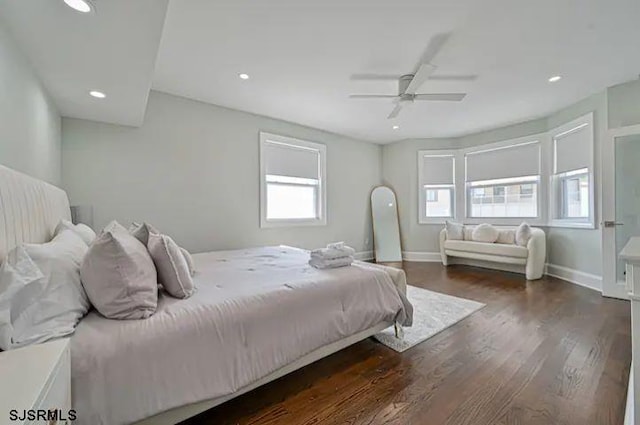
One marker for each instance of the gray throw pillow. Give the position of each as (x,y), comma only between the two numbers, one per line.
(142,231)
(119,276)
(173,270)
(455,231)
(189,259)
(523,234)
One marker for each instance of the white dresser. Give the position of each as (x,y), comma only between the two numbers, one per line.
(631,255)
(35,382)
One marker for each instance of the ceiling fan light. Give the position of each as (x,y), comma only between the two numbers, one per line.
(82,6)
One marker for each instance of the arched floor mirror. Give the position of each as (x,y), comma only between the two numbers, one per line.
(386,230)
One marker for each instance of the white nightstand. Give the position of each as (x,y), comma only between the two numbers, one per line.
(36,378)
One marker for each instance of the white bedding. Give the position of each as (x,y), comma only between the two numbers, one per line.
(254,312)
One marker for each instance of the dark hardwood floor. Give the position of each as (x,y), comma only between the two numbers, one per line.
(541,352)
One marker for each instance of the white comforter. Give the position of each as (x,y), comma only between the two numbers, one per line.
(254,312)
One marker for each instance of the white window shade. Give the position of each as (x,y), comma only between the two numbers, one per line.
(437,170)
(573,149)
(508,162)
(291,161)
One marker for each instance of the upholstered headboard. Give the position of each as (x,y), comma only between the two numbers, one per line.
(30,209)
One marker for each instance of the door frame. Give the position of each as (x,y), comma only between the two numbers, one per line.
(610,286)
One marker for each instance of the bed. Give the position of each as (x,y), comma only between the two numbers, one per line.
(251,321)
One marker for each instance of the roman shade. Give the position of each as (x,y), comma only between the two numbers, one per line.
(437,170)
(519,160)
(573,149)
(292,161)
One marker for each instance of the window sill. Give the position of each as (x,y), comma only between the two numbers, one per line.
(533,221)
(265,224)
(571,225)
(439,220)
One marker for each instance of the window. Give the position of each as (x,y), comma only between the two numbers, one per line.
(574,189)
(504,198)
(436,186)
(503,182)
(292,182)
(572,174)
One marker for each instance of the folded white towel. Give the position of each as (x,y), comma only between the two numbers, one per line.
(337,245)
(320,263)
(333,253)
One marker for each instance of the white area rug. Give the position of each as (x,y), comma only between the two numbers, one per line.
(432,312)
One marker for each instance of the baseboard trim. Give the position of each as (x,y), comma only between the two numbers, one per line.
(364,256)
(577,277)
(422,257)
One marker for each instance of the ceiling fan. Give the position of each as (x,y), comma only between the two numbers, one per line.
(409,84)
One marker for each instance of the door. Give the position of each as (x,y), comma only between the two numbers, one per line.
(621,204)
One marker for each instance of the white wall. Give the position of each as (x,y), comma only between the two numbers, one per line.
(29,121)
(624,104)
(192,171)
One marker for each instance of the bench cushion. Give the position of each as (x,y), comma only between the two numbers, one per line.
(487,248)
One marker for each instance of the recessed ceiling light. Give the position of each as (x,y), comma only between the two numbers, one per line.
(554,78)
(98,94)
(244,76)
(80,5)
(395,127)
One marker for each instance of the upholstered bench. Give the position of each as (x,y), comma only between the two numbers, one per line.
(504,254)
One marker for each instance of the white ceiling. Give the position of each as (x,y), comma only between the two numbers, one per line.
(112,50)
(300,55)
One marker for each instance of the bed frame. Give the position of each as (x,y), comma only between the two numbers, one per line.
(173,416)
(30,210)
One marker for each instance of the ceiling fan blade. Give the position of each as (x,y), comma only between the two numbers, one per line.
(421,76)
(395,111)
(446,97)
(453,77)
(372,96)
(435,45)
(374,77)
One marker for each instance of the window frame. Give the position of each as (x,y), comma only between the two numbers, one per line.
(321,195)
(556,204)
(422,188)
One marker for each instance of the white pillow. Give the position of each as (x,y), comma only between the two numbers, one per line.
(485,233)
(119,276)
(17,271)
(455,231)
(85,232)
(49,306)
(468,233)
(172,267)
(506,236)
(523,234)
